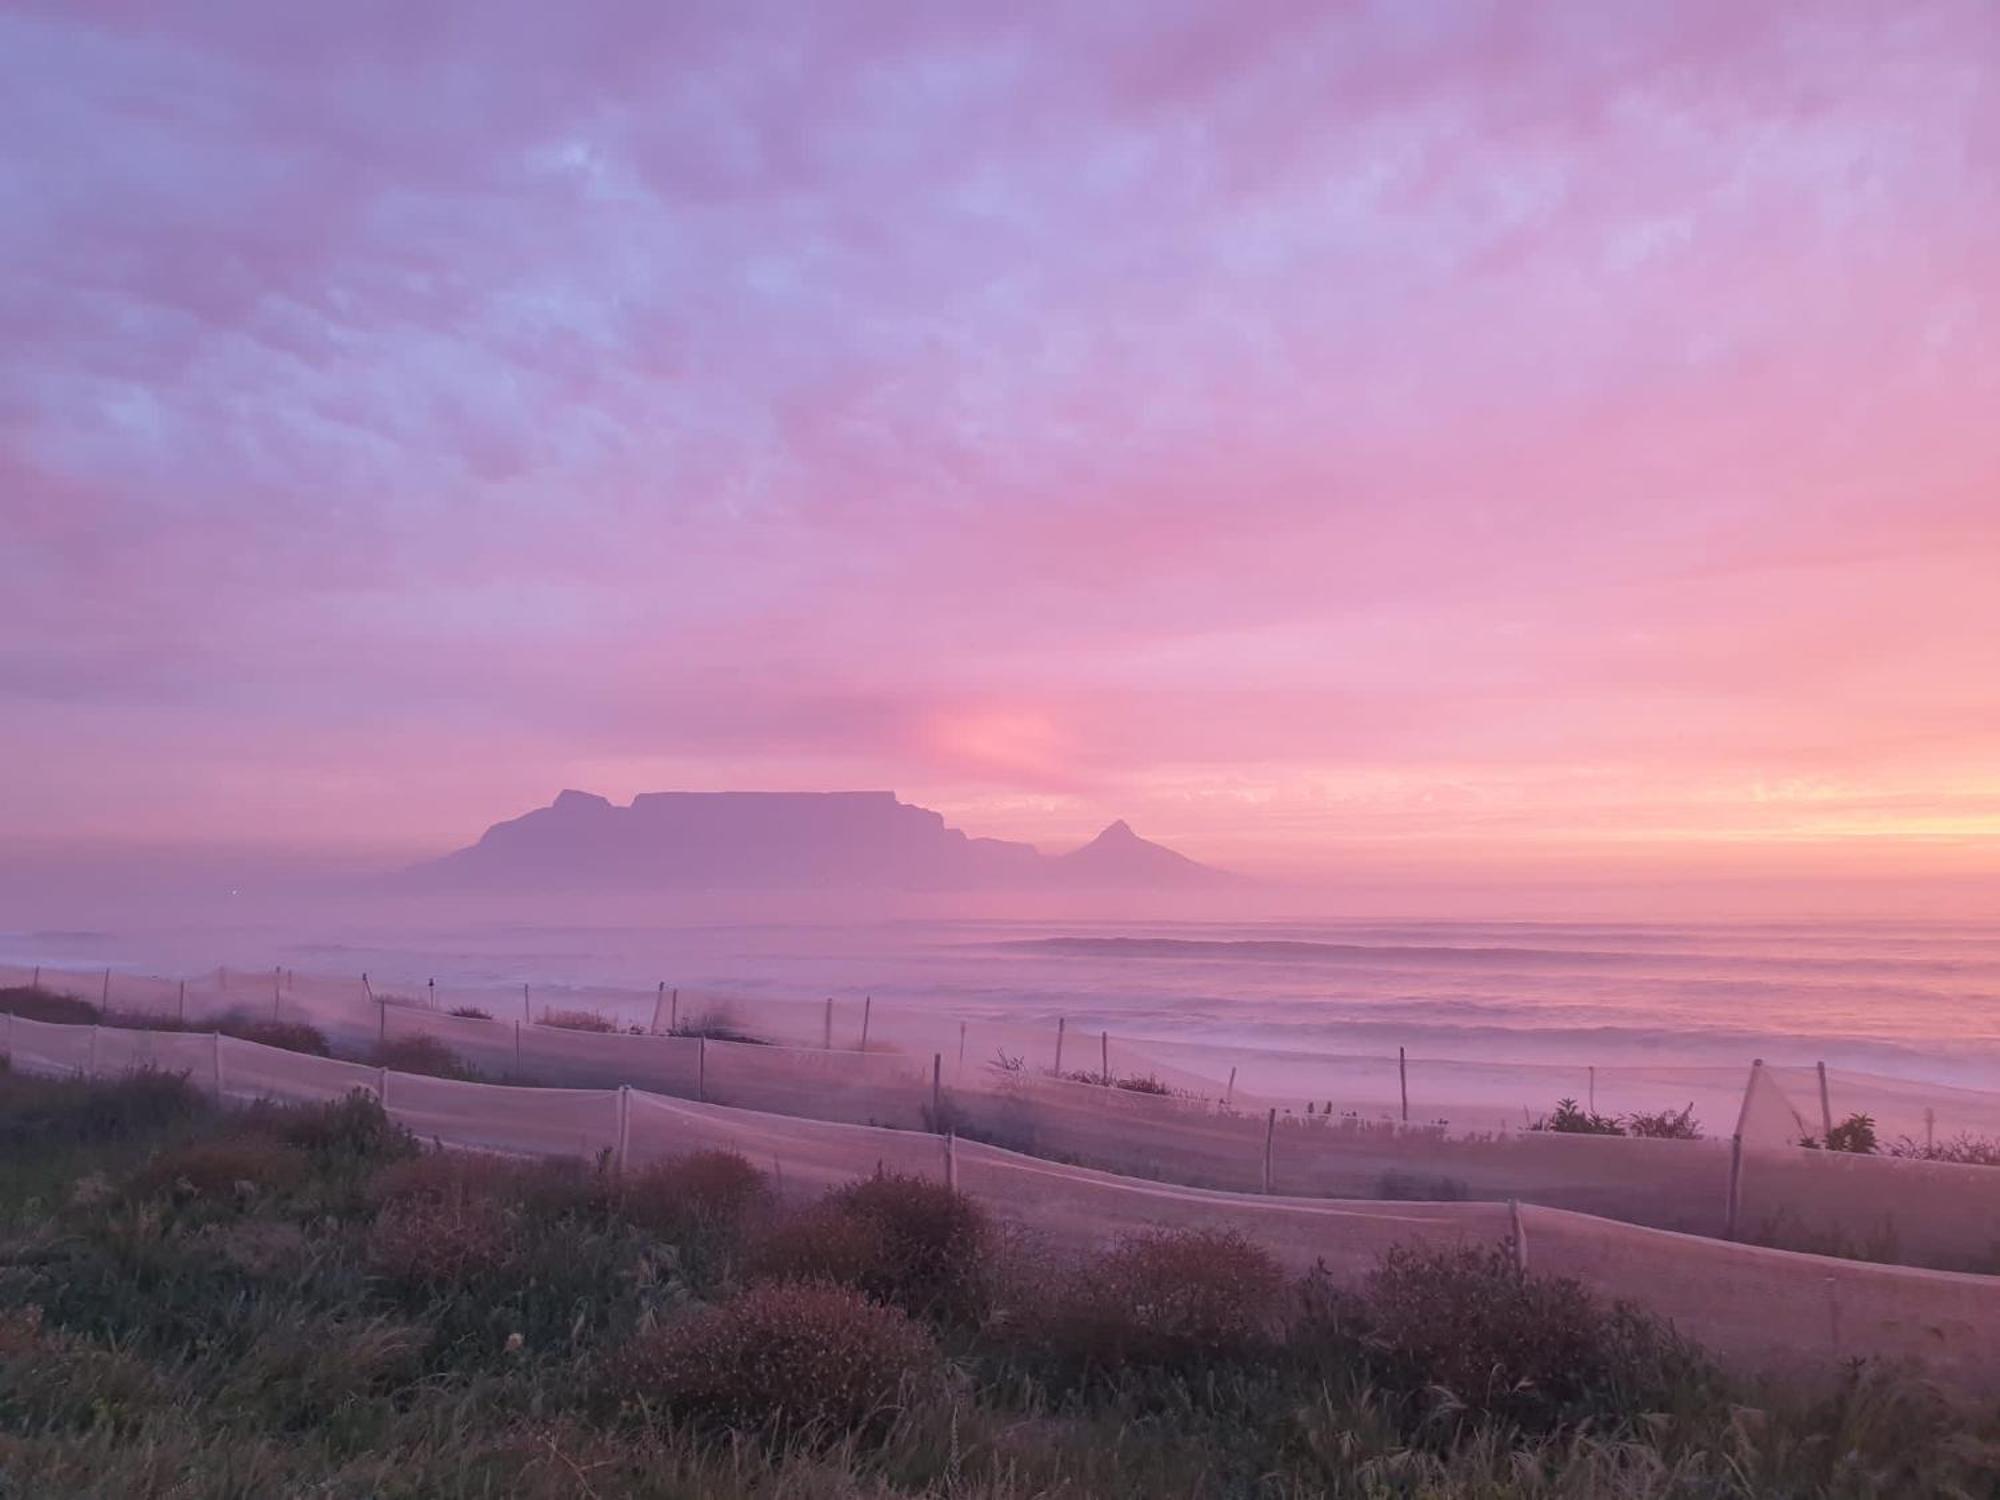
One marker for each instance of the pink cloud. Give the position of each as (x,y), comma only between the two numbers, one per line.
(1136,408)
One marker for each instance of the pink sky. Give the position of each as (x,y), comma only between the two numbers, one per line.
(1444,436)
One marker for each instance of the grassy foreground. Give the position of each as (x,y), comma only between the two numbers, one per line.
(294,1302)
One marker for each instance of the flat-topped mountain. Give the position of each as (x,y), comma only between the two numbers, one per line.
(786,840)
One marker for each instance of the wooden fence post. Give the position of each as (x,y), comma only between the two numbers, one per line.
(937,1090)
(181,1007)
(1403,1078)
(701,1070)
(105,999)
(1229,1094)
(674,1009)
(90,1066)
(517,1051)
(1593,1088)
(381,1023)
(1062,1025)
(1520,1236)
(1736,1152)
(433,992)
(1104,1057)
(826,1027)
(624,1127)
(867,1009)
(367,988)
(215,1061)
(1270,1137)
(1930,1131)
(659,999)
(1825,1110)
(382,1088)
(961,1051)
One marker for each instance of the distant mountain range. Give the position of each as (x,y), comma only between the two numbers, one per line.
(788,840)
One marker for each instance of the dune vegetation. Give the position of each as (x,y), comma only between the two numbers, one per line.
(304,1300)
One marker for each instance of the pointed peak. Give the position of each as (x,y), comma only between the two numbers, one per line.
(1119,830)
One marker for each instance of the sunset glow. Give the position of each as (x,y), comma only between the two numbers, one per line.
(1457,439)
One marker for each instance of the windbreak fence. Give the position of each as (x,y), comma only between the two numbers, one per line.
(1758,1309)
(1044,1093)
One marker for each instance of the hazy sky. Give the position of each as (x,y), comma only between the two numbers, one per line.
(1434,434)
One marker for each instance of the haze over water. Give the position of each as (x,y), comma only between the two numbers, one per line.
(1920,1000)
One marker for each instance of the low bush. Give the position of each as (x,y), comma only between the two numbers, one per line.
(1665,1125)
(33,1003)
(441,1242)
(1571,1118)
(1536,1350)
(1171,1298)
(354,1128)
(578,1020)
(717,1026)
(227,1170)
(1854,1135)
(822,1245)
(810,1362)
(470,1013)
(934,1244)
(1965,1149)
(246,1026)
(56,1111)
(704,1190)
(422,1055)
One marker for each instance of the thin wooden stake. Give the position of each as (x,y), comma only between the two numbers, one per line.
(1736,1151)
(1593,1088)
(368,988)
(1062,1025)
(106,998)
(701,1069)
(1229,1093)
(1270,1138)
(961,1051)
(1403,1077)
(867,1008)
(215,1059)
(624,1127)
(1104,1057)
(674,1009)
(434,993)
(517,1051)
(1825,1110)
(381,1022)
(1930,1131)
(1520,1236)
(181,1008)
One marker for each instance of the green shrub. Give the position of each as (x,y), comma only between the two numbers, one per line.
(810,1362)
(1665,1125)
(933,1244)
(1536,1350)
(820,1244)
(578,1020)
(1854,1135)
(423,1055)
(704,1190)
(1177,1298)
(33,1003)
(354,1128)
(66,1111)
(1571,1119)
(226,1170)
